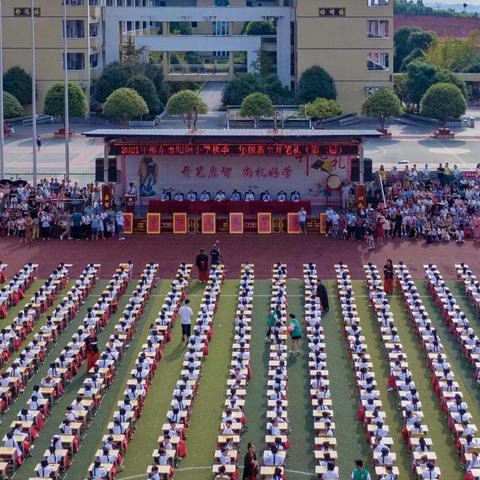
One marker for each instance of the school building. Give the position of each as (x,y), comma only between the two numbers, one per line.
(205,40)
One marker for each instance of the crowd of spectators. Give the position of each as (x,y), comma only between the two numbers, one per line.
(56,209)
(438,206)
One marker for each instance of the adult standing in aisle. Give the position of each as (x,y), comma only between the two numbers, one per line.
(186,314)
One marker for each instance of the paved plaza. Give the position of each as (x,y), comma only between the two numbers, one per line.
(410,143)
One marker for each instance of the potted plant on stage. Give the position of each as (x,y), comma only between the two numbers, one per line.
(443,102)
(55,103)
(189,105)
(382,104)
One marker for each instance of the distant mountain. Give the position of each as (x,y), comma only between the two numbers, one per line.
(458,7)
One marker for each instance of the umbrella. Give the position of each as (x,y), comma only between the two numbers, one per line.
(20,183)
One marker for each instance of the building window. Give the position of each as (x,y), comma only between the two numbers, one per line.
(378,61)
(377,28)
(221,29)
(75,29)
(75,61)
(94,60)
(377,3)
(331,12)
(93,30)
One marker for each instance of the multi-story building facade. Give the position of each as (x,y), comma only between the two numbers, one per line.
(84,33)
(351,39)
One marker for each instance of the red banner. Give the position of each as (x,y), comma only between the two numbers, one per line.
(292,223)
(209,221)
(236,222)
(128,222)
(323,223)
(179,223)
(264,222)
(153,223)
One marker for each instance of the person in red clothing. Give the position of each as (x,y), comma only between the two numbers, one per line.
(201,263)
(388,277)
(92,349)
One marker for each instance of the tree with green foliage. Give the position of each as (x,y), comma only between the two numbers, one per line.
(455,54)
(237,89)
(181,28)
(261,28)
(420,76)
(193,58)
(146,89)
(316,82)
(413,55)
(411,43)
(256,105)
(124,104)
(19,83)
(11,106)
(400,87)
(113,77)
(444,102)
(322,108)
(400,44)
(418,8)
(188,104)
(381,105)
(448,77)
(55,101)
(273,87)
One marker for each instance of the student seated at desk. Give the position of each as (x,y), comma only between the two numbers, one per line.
(272,457)
(10,442)
(53,458)
(430,473)
(98,471)
(44,470)
(222,475)
(388,475)
(224,459)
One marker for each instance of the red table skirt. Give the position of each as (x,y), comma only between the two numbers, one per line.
(275,207)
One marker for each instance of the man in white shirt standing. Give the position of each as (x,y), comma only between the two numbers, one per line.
(186,314)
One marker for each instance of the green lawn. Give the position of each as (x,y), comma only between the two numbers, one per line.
(205,419)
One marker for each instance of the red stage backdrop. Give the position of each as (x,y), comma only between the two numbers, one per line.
(316,176)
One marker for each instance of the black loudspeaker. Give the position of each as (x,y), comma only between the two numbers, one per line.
(367,170)
(355,170)
(112,170)
(99,170)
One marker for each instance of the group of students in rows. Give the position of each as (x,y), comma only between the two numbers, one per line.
(171,444)
(80,350)
(235,196)
(30,419)
(15,377)
(472,290)
(450,396)
(233,420)
(415,431)
(122,427)
(12,291)
(325,445)
(370,411)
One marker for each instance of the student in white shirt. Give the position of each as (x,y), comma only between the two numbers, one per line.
(186,313)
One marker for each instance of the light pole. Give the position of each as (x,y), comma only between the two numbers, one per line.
(66,112)
(2,133)
(34,97)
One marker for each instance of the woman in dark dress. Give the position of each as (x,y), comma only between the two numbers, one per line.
(250,465)
(388,277)
(201,263)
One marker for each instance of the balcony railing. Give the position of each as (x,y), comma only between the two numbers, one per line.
(206,68)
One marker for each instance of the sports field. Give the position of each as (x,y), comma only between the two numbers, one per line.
(208,405)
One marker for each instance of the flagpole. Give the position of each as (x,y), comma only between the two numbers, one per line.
(2,121)
(66,122)
(34,97)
